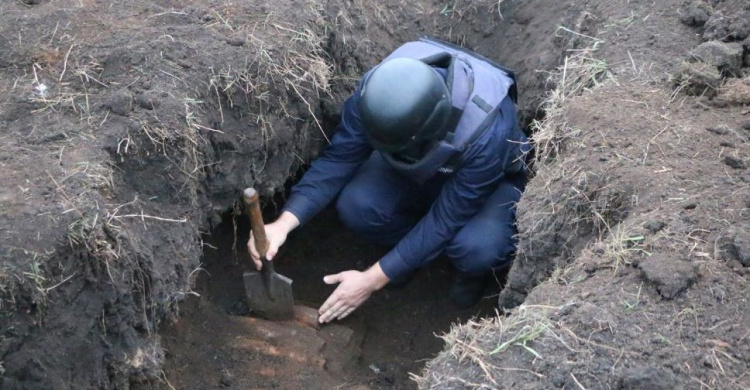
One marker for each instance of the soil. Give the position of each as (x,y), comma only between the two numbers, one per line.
(629,272)
(129,128)
(388,338)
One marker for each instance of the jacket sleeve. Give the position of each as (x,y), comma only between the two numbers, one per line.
(461,197)
(329,173)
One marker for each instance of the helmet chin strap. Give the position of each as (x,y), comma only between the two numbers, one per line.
(415,152)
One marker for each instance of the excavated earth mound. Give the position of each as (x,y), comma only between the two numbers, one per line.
(632,266)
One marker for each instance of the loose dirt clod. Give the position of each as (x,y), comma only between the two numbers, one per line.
(654,226)
(651,378)
(726,57)
(670,276)
(720,129)
(736,91)
(695,13)
(734,245)
(698,78)
(734,162)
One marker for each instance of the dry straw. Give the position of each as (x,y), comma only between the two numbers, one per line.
(580,71)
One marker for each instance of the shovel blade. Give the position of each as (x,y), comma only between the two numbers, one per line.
(269,297)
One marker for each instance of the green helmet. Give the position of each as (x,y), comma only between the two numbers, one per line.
(404,102)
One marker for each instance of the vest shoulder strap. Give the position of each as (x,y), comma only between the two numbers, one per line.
(512,92)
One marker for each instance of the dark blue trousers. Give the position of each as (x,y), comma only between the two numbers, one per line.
(383,206)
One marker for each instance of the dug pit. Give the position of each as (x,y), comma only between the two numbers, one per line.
(127,130)
(218,342)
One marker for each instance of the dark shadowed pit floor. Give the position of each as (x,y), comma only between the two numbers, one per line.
(398,328)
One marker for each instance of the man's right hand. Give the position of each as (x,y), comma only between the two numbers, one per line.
(276,233)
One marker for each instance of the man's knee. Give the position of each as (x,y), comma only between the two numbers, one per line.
(478,252)
(349,208)
(359,212)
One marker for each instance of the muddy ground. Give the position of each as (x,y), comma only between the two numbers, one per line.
(128,129)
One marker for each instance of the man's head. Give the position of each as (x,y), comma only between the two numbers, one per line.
(404,102)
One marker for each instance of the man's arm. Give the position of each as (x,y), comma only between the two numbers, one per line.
(333,169)
(322,182)
(460,199)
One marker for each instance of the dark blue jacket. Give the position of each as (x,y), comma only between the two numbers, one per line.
(481,168)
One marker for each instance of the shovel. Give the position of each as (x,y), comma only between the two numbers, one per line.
(268,293)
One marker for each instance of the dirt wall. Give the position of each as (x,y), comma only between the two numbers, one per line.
(632,232)
(129,127)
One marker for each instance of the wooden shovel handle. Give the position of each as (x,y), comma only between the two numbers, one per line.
(252,204)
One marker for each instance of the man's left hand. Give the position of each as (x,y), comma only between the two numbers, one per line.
(354,288)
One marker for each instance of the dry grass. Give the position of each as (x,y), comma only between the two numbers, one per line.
(28,275)
(736,91)
(276,74)
(55,86)
(620,243)
(579,72)
(477,345)
(58,86)
(460,9)
(572,204)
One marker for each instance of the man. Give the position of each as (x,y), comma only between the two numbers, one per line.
(427,159)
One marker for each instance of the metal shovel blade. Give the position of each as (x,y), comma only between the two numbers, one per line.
(269,295)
